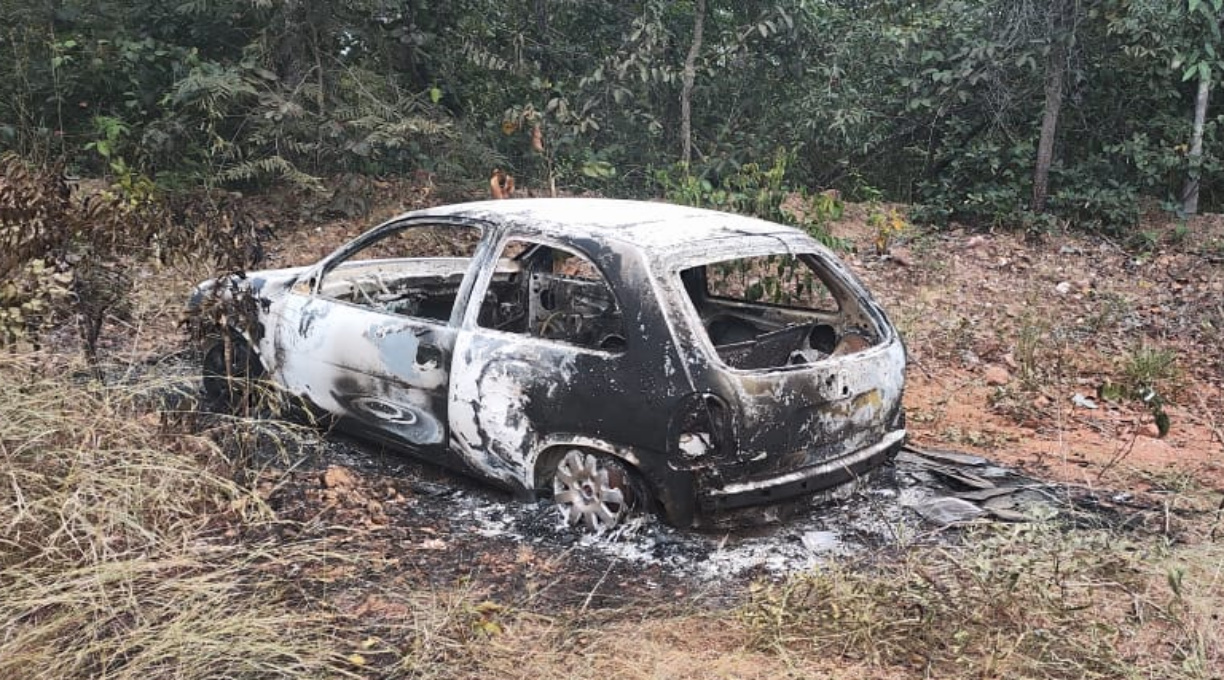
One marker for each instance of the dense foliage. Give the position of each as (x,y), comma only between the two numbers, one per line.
(943,103)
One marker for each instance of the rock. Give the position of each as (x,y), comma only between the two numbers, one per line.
(946,510)
(1150,430)
(1082,401)
(336,477)
(997,375)
(902,256)
(1063,288)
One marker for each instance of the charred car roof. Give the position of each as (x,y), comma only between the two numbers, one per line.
(653,226)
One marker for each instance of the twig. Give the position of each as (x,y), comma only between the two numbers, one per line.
(587,602)
(1121,452)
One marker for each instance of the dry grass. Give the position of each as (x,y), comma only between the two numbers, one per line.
(127,550)
(114,562)
(1022,601)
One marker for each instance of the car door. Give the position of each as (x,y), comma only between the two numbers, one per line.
(543,359)
(370,336)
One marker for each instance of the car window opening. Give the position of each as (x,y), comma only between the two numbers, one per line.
(416,272)
(552,293)
(774,311)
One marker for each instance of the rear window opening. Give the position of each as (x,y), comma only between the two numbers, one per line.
(774,311)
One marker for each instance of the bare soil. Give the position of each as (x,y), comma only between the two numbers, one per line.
(1003,333)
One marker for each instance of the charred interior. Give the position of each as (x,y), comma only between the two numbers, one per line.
(536,290)
(551,293)
(424,288)
(775,311)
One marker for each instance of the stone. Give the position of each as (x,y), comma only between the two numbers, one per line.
(902,256)
(1150,430)
(1083,402)
(997,375)
(337,477)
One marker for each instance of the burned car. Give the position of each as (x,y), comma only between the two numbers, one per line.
(610,354)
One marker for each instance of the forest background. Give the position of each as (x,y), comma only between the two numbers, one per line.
(1025,113)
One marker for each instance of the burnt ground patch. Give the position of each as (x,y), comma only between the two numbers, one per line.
(405,523)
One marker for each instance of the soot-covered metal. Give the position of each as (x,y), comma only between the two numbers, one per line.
(615,355)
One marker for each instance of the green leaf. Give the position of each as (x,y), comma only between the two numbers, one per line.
(435,95)
(598,169)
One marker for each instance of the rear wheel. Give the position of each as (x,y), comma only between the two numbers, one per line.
(592,490)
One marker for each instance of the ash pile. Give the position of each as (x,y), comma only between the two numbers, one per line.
(922,496)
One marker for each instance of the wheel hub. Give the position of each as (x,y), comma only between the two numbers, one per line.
(591,491)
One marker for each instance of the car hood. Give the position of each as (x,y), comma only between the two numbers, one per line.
(266,284)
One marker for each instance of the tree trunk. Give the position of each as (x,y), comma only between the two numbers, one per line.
(1056,71)
(1190,191)
(686,93)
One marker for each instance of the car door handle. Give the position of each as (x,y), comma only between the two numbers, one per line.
(428,354)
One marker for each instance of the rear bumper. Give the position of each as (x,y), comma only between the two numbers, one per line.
(804,481)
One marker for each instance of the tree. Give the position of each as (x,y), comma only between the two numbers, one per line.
(1203,61)
(1059,35)
(690,74)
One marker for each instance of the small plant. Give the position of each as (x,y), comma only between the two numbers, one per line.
(1144,241)
(52,241)
(1149,368)
(1149,374)
(28,300)
(889,224)
(1030,338)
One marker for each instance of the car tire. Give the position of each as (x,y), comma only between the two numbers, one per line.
(594,491)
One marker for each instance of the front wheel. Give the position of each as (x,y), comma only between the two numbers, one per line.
(592,490)
(229,368)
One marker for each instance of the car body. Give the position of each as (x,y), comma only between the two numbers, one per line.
(617,353)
